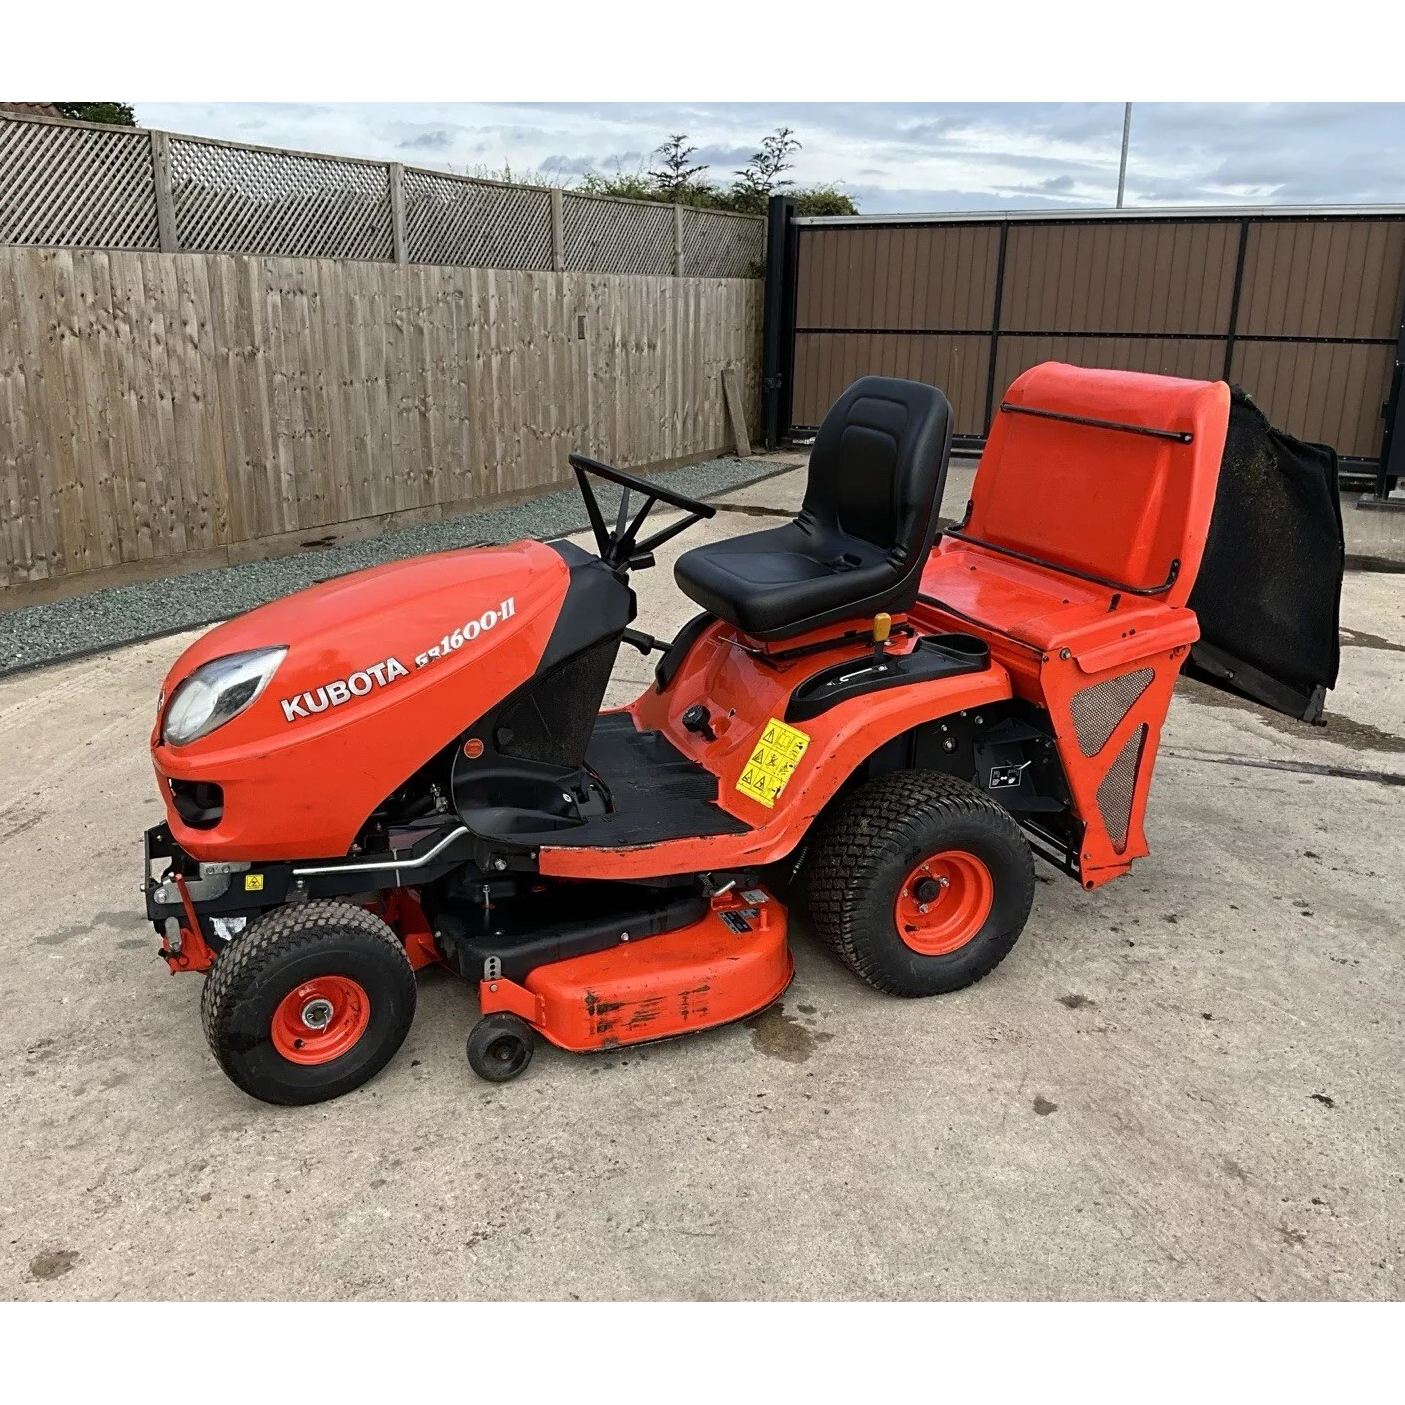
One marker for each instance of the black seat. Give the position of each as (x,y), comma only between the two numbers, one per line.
(864,530)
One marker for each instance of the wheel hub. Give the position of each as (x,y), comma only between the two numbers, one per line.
(943,902)
(320,1020)
(317,1014)
(926,890)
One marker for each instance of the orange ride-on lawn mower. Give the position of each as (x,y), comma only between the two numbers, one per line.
(407,766)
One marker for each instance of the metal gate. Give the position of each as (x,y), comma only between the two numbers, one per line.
(1305,308)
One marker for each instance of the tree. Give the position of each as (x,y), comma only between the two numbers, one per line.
(675,175)
(762,176)
(677,180)
(824,200)
(114,114)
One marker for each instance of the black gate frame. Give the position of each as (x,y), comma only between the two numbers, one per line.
(1391,468)
(778,321)
(779,332)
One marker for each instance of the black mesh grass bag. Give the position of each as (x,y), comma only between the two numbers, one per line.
(1270,582)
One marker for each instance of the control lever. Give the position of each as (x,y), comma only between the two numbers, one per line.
(882,628)
(698,720)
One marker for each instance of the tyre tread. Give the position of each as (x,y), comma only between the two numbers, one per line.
(881,813)
(272,938)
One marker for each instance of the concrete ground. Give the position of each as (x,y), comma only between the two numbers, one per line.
(1185,1085)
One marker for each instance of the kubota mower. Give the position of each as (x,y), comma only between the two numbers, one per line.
(407,765)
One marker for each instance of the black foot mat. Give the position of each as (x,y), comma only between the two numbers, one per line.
(657,792)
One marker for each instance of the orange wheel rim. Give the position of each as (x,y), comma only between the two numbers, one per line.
(943,902)
(319,1020)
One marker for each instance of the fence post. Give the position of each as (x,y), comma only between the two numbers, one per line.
(397,212)
(166,238)
(678,241)
(778,321)
(558,231)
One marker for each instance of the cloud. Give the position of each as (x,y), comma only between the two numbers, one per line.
(724,157)
(570,165)
(891,156)
(438,140)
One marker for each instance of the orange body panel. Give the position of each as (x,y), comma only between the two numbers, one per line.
(300,786)
(744,690)
(728,964)
(400,907)
(1106,502)
(1132,508)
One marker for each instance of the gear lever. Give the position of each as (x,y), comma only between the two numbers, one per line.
(882,627)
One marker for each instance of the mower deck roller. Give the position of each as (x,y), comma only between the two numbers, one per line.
(408,766)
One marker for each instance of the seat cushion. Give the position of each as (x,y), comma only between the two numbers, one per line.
(774,582)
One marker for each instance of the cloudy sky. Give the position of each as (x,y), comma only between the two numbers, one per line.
(888,156)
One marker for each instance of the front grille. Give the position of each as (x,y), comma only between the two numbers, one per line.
(1099,708)
(1117,787)
(200,804)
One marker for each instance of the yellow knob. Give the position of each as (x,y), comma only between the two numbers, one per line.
(881,625)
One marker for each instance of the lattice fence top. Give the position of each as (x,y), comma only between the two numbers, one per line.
(231,199)
(449,219)
(65,183)
(722,246)
(615,236)
(76,186)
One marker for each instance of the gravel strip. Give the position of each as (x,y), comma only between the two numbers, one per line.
(123,614)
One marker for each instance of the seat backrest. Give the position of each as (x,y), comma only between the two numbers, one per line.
(878,467)
(1108,473)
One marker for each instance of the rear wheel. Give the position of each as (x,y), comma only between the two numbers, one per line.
(309,1003)
(920,882)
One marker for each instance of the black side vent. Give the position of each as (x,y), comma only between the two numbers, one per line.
(552,719)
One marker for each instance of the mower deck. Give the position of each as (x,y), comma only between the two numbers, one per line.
(730,962)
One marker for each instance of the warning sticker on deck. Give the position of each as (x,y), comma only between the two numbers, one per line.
(775,755)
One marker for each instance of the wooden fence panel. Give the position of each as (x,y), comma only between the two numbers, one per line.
(161,412)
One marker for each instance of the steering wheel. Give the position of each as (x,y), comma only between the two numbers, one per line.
(621,548)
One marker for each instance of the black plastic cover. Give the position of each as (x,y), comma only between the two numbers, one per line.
(1269,589)
(935,656)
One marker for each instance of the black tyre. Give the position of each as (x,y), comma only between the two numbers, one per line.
(311,1001)
(500,1046)
(919,881)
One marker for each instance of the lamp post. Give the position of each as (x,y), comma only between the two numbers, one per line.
(1122,168)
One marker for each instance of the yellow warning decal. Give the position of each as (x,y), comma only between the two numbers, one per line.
(776,754)
(253,882)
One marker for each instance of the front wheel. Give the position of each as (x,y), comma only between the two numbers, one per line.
(500,1047)
(309,1003)
(919,882)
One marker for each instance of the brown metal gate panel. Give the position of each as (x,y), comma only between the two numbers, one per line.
(1130,278)
(827,362)
(1321,279)
(914,301)
(1301,308)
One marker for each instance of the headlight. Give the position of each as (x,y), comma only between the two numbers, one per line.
(217,691)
